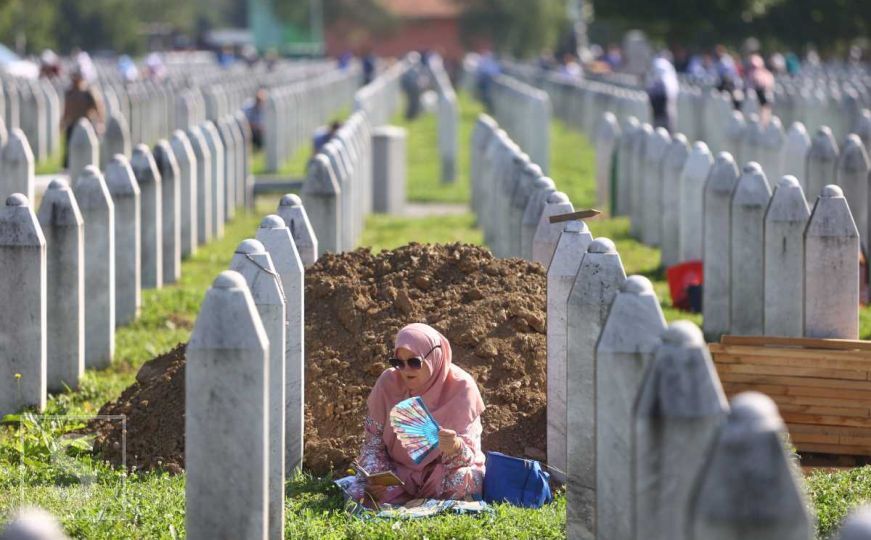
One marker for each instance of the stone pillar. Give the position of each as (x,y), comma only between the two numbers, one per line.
(32,524)
(732,142)
(831,266)
(389,168)
(529,175)
(626,345)
(322,196)
(821,158)
(98,211)
(543,188)
(794,153)
(187,175)
(570,249)
(16,166)
(124,190)
(852,175)
(599,276)
(749,457)
(785,221)
(625,152)
(747,272)
(151,203)
(276,238)
(716,244)
(291,210)
(670,199)
(651,175)
(771,149)
(254,263)
(639,178)
(216,151)
(547,234)
(83,148)
(226,438)
(448,121)
(203,159)
(607,140)
(857,525)
(170,189)
(61,223)
(116,139)
(680,409)
(692,201)
(225,137)
(247,179)
(23,317)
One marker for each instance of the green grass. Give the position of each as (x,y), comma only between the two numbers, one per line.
(424,173)
(51,164)
(389,232)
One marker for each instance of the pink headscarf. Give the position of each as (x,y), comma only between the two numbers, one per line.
(450,394)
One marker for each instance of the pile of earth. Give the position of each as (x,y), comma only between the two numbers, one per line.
(491,310)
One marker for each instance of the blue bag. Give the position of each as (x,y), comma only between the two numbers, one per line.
(521,482)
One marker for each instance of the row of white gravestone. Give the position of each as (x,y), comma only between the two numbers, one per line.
(524,113)
(380,99)
(511,197)
(76,269)
(245,383)
(448,119)
(311,104)
(338,186)
(651,446)
(34,106)
(695,196)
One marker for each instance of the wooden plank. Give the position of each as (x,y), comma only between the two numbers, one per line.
(820,410)
(793,371)
(781,398)
(834,449)
(817,354)
(808,343)
(838,431)
(833,397)
(580,214)
(814,382)
(850,364)
(824,420)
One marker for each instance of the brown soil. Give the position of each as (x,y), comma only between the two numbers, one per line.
(491,310)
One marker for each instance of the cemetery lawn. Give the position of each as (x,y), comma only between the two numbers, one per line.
(94,500)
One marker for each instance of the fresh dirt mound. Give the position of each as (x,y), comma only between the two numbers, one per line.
(491,310)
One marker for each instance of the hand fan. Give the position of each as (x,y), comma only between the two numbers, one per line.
(415,428)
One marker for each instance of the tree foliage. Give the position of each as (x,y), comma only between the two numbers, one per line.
(519,27)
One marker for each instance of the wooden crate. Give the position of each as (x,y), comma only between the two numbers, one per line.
(822,386)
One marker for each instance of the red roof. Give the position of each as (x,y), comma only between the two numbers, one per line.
(423,9)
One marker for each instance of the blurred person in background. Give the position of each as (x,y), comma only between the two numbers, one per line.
(80,101)
(49,64)
(127,68)
(488,69)
(728,78)
(324,134)
(760,81)
(254,114)
(662,90)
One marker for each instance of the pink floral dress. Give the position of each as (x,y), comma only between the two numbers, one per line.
(464,472)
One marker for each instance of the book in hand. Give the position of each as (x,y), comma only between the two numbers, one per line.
(383,478)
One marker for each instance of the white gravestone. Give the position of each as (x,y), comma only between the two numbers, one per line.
(626,345)
(679,411)
(746,275)
(97,209)
(794,153)
(23,317)
(16,166)
(785,221)
(570,249)
(63,228)
(547,234)
(84,148)
(670,199)
(599,277)
(124,189)
(821,158)
(322,197)
(151,204)
(187,170)
(852,175)
(254,263)
(716,245)
(291,210)
(749,488)
(831,266)
(227,416)
(170,189)
(692,201)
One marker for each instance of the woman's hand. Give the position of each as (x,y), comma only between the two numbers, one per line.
(449,443)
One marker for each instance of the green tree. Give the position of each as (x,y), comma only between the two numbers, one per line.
(519,27)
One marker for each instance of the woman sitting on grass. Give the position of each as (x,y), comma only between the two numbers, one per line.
(421,366)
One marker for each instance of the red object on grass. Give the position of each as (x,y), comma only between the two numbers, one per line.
(680,278)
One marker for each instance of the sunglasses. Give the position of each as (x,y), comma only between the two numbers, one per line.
(415,362)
